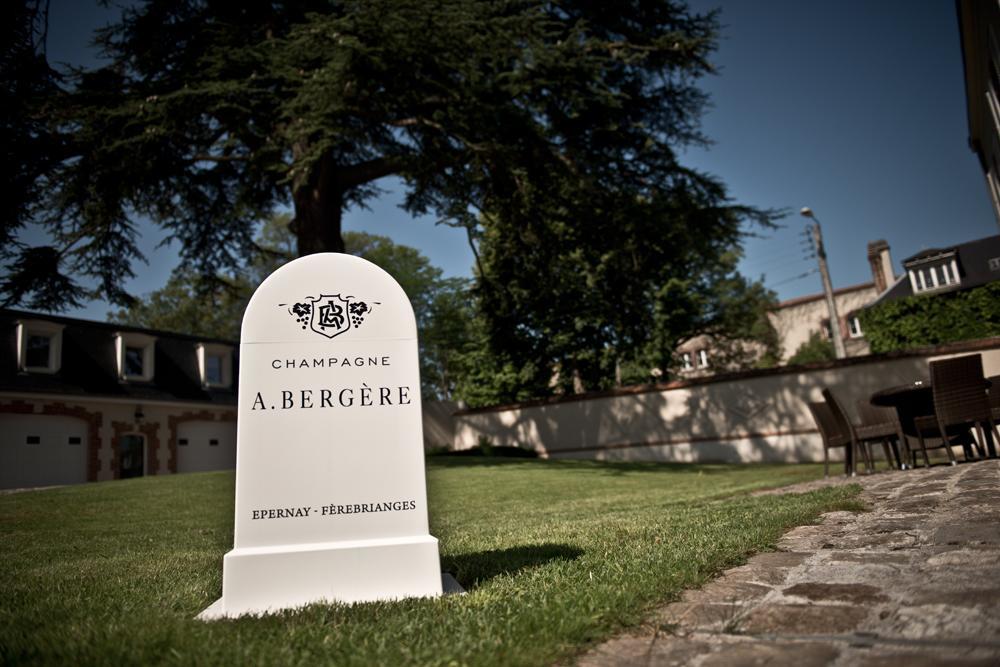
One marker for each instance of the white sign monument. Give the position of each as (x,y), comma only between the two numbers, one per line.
(331,501)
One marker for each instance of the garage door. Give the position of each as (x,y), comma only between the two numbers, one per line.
(204,445)
(42,450)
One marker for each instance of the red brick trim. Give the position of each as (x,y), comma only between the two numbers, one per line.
(203,415)
(93,420)
(17,407)
(149,429)
(119,429)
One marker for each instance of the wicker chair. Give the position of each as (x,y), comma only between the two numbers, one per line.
(960,404)
(832,437)
(882,425)
(994,393)
(837,431)
(845,424)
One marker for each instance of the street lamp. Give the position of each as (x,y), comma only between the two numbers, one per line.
(831,304)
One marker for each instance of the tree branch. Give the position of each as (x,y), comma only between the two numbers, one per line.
(365,172)
(218,158)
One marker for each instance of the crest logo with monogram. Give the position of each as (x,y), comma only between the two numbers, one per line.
(330,315)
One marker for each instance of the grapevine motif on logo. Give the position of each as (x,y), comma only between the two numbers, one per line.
(330,315)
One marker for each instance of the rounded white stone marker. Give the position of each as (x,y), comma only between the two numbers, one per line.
(331,499)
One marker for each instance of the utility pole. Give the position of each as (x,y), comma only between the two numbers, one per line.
(831,304)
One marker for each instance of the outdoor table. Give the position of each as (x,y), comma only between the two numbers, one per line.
(915,399)
(911,400)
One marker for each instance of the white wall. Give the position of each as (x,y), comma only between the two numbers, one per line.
(439,427)
(199,454)
(752,417)
(52,461)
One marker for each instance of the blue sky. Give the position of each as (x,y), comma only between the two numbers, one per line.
(855,109)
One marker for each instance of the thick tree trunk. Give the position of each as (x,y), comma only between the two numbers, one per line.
(319,200)
(319,205)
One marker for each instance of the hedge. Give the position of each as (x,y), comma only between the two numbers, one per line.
(924,319)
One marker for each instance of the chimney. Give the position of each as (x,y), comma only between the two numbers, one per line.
(881,265)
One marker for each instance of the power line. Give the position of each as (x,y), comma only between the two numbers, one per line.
(793,278)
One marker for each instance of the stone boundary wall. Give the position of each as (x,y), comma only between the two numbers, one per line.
(439,427)
(755,416)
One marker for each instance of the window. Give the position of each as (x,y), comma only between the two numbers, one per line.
(37,353)
(702,358)
(213,369)
(213,443)
(134,361)
(686,361)
(39,346)
(994,264)
(854,326)
(943,272)
(75,440)
(134,354)
(215,364)
(182,442)
(34,440)
(946,277)
(826,329)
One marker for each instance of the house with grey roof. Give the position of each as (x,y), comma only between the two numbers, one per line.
(86,401)
(937,271)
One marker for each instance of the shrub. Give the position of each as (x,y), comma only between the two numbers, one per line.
(921,320)
(817,348)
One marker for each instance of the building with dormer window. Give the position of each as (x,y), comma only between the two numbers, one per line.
(86,401)
(946,270)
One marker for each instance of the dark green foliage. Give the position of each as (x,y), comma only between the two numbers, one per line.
(190,304)
(572,309)
(187,305)
(817,348)
(933,319)
(29,94)
(548,130)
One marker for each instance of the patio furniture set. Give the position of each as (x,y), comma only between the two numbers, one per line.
(956,407)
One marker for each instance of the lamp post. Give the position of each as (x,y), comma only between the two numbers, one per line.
(831,304)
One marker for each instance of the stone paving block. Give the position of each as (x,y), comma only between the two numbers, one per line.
(950,657)
(701,617)
(942,621)
(966,533)
(869,557)
(779,559)
(957,597)
(966,558)
(913,581)
(804,619)
(726,590)
(858,594)
(771,653)
(760,575)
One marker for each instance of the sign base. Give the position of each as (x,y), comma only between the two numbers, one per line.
(260,580)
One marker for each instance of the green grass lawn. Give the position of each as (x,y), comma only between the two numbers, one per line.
(554,554)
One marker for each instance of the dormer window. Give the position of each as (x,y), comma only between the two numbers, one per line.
(932,273)
(215,365)
(702,358)
(134,356)
(39,346)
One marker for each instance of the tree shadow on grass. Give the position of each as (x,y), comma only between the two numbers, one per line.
(474,569)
